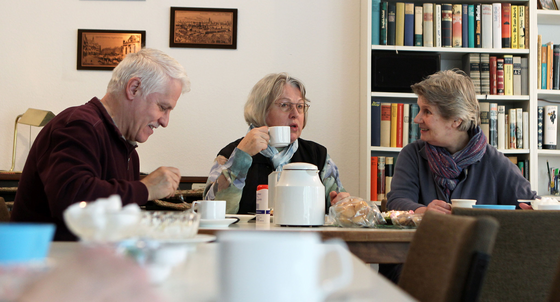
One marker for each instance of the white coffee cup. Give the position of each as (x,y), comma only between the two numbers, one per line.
(279,266)
(463,203)
(210,209)
(279,136)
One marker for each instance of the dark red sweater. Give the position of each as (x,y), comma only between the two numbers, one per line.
(80,155)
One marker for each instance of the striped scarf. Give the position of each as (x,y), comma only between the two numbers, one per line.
(447,167)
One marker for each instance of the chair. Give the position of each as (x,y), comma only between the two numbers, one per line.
(4,213)
(554,295)
(447,258)
(525,254)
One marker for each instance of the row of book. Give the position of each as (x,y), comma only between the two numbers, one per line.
(523,165)
(496,25)
(504,129)
(548,67)
(547,127)
(497,75)
(382,169)
(392,124)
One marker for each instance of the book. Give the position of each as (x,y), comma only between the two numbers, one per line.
(478,26)
(506,127)
(524,76)
(394,121)
(457,26)
(380,177)
(521,26)
(549,62)
(506,25)
(540,125)
(388,174)
(526,175)
(556,67)
(527,27)
(400,123)
(550,127)
(514,27)
(497,25)
(485,119)
(383,26)
(471,25)
(501,127)
(516,75)
(373,180)
(414,131)
(465,24)
(521,166)
(437,25)
(486,23)
(375,21)
(428,26)
(539,65)
(408,24)
(391,24)
(406,124)
(544,68)
(399,21)
(519,128)
(493,76)
(418,22)
(493,139)
(485,73)
(500,76)
(385,135)
(471,66)
(508,74)
(512,128)
(525,130)
(375,123)
(446,25)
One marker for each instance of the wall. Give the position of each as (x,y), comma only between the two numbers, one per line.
(314,40)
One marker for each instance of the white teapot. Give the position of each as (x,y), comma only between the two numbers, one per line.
(299,196)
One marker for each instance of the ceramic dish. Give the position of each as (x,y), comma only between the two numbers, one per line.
(549,207)
(493,207)
(216,223)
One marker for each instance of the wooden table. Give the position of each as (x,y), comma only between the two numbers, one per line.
(196,279)
(370,245)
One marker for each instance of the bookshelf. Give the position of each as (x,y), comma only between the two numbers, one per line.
(450,58)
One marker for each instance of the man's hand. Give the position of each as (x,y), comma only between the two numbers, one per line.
(437,206)
(162,182)
(254,141)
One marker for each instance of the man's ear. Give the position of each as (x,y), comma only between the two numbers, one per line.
(132,88)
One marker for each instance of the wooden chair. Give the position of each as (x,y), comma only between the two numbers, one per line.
(4,213)
(525,254)
(447,258)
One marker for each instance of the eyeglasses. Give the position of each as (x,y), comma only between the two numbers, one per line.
(287,106)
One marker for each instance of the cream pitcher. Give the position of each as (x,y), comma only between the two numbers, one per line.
(298,197)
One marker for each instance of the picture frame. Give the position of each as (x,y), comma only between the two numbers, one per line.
(547,4)
(196,27)
(100,49)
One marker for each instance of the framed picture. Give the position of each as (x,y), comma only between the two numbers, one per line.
(547,4)
(197,27)
(104,49)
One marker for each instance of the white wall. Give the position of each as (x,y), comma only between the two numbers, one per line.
(314,40)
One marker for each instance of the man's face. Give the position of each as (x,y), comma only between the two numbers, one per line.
(152,111)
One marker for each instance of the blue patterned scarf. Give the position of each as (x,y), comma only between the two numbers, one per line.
(279,158)
(447,167)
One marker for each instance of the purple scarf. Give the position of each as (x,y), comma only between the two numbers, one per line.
(447,167)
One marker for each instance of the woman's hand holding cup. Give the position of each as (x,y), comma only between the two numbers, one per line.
(254,141)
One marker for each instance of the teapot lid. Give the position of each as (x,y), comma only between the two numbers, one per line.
(299,166)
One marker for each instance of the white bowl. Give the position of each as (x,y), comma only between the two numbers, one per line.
(549,207)
(463,203)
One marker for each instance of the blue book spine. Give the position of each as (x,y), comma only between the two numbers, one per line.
(383,25)
(465,31)
(375,21)
(391,25)
(413,132)
(376,123)
(471,26)
(409,24)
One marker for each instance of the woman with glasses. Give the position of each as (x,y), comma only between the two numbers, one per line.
(276,100)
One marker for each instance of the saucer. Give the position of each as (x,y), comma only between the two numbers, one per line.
(200,238)
(216,223)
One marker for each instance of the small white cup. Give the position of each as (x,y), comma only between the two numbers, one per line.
(463,203)
(279,136)
(210,209)
(273,258)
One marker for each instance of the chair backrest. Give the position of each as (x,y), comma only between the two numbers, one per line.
(4,213)
(525,254)
(447,256)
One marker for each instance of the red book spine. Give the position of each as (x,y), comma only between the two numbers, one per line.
(373,187)
(506,25)
(500,76)
(457,25)
(400,108)
(493,75)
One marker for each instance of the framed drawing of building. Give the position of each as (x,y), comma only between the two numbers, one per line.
(197,27)
(104,49)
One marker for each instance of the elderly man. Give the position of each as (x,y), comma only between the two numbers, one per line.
(87,152)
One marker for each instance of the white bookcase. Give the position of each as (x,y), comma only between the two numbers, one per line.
(451,57)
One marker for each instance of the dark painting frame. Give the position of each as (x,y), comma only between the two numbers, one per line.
(196,27)
(100,49)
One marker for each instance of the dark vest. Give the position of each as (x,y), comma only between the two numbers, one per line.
(308,152)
